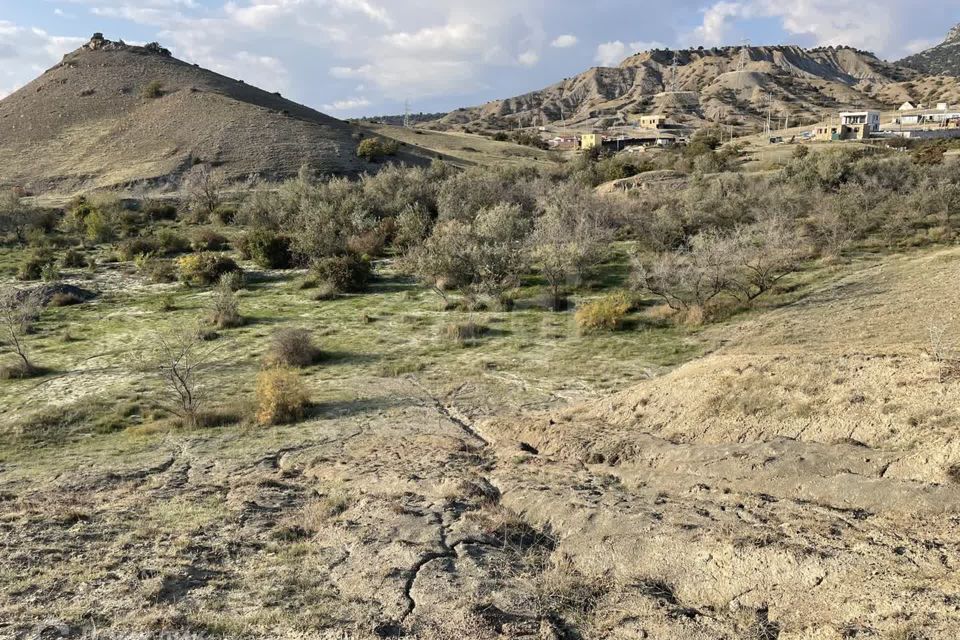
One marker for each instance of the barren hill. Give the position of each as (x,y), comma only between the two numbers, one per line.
(734,85)
(943,59)
(111,114)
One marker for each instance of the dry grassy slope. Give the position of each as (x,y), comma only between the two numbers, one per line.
(803,468)
(805,83)
(85,123)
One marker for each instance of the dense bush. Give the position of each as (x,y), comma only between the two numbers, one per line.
(156,211)
(205,269)
(267,248)
(605,314)
(208,240)
(372,149)
(292,348)
(344,274)
(33,266)
(280,395)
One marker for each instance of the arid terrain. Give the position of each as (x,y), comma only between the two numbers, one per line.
(265,374)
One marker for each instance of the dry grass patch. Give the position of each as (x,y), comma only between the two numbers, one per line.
(605,314)
(463,333)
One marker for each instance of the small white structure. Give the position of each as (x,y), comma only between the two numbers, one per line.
(907,106)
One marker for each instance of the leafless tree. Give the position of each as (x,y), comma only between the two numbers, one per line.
(18,311)
(204,188)
(945,352)
(764,254)
(568,240)
(180,361)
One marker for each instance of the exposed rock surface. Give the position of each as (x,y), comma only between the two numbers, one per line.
(943,59)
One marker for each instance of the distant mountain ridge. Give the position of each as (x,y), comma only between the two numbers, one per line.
(114,114)
(943,59)
(737,86)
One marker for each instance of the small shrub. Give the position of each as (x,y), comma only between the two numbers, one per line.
(205,269)
(171,243)
(225,214)
(224,307)
(292,348)
(345,274)
(50,272)
(98,227)
(73,259)
(208,240)
(464,332)
(157,271)
(281,396)
(325,292)
(157,211)
(167,304)
(65,299)
(267,249)
(32,268)
(373,149)
(153,90)
(605,314)
(130,249)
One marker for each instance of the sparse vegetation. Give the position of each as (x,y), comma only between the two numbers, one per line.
(19,309)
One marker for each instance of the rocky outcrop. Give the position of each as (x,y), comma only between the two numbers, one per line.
(943,59)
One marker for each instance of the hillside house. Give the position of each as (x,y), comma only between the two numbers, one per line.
(854,125)
(652,122)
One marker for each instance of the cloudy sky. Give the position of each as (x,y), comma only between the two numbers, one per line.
(364,57)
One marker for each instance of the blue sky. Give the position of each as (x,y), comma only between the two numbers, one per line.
(363,57)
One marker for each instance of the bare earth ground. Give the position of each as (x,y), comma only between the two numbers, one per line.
(794,483)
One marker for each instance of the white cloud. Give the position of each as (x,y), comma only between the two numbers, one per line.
(565,41)
(528,58)
(347,104)
(26,53)
(716,22)
(611,53)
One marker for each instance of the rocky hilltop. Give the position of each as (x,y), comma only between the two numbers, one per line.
(943,59)
(734,85)
(114,114)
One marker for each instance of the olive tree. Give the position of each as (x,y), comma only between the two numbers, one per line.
(568,240)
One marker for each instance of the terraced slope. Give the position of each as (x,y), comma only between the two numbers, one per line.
(805,84)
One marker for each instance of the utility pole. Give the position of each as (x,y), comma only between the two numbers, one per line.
(673,80)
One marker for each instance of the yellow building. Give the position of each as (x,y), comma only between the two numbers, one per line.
(590,140)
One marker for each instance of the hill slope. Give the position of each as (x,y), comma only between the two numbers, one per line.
(943,59)
(88,122)
(807,84)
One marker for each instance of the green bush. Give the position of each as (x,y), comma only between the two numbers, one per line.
(373,149)
(32,268)
(157,211)
(205,269)
(73,259)
(208,240)
(268,249)
(145,246)
(170,243)
(345,274)
(225,214)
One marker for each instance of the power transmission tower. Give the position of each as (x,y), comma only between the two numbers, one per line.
(742,62)
(406,115)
